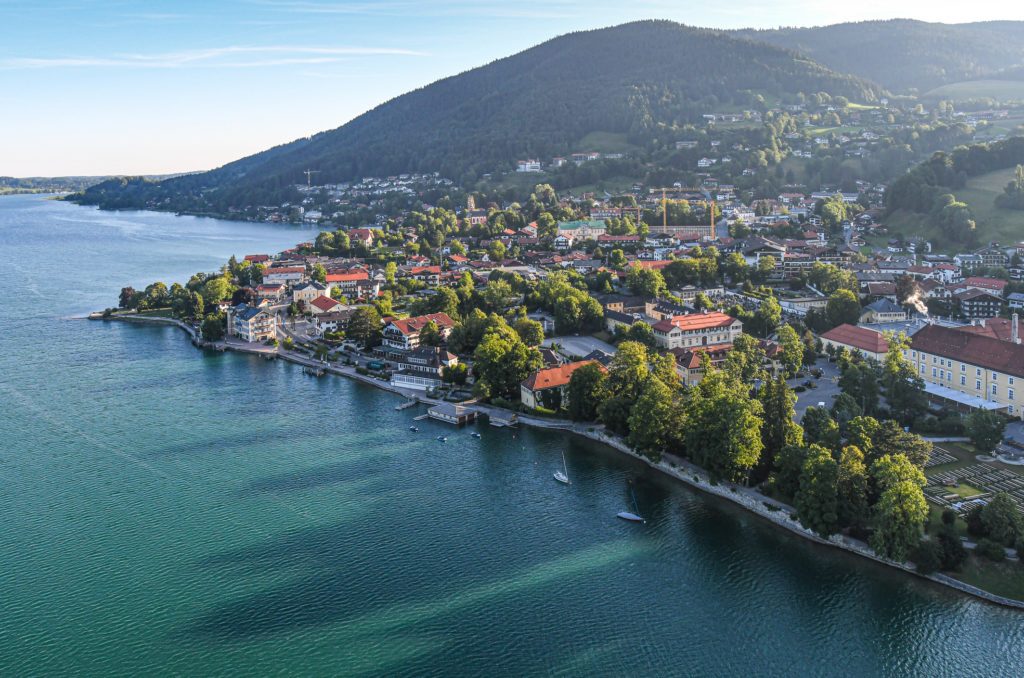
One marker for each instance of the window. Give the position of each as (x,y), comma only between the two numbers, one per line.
(995,376)
(1009,394)
(1010,380)
(933,371)
(963,381)
(977,372)
(963,368)
(977,385)
(994,389)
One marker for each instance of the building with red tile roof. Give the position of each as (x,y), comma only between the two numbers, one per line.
(543,385)
(868,343)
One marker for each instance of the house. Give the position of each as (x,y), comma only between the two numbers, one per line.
(361,236)
(1016,300)
(421,368)
(697,329)
(859,340)
(970,370)
(323,305)
(304,293)
(528,166)
(332,321)
(285,275)
(249,323)
(571,231)
(993,285)
(547,387)
(690,361)
(883,311)
(405,333)
(974,303)
(257,258)
(274,292)
(346,282)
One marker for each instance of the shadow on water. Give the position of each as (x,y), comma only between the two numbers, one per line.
(333,474)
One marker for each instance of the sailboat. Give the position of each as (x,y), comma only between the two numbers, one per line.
(563,475)
(632,517)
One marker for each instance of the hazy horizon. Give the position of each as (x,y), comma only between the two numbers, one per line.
(165,88)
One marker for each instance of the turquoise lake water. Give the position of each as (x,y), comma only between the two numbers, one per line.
(165,511)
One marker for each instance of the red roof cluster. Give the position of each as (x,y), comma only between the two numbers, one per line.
(858,337)
(556,377)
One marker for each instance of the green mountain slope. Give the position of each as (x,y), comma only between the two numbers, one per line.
(902,54)
(630,80)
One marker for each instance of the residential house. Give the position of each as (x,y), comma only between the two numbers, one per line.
(405,333)
(251,324)
(347,282)
(287,275)
(332,321)
(361,236)
(883,311)
(304,293)
(547,387)
(323,305)
(975,303)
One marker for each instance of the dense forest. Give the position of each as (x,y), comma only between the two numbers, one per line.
(904,55)
(642,80)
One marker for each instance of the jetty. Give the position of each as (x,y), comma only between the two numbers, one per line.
(452,413)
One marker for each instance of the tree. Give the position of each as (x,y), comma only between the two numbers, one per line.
(859,380)
(985,429)
(127,298)
(530,331)
(927,556)
(842,307)
(816,500)
(890,439)
(778,429)
(820,428)
(430,335)
(792,356)
(213,327)
(763,270)
(214,290)
(899,514)
(860,432)
(767,317)
(496,251)
(364,326)
(892,469)
(617,259)
(904,388)
(319,273)
(852,488)
(654,419)
(789,465)
(845,409)
(953,553)
(454,374)
(1001,519)
(586,391)
(734,266)
(724,426)
(390,269)
(745,362)
(503,361)
(641,332)
(498,295)
(646,282)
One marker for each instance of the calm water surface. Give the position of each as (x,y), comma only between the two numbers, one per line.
(166,511)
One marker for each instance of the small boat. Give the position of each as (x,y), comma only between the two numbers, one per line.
(562,476)
(475,434)
(443,439)
(413,429)
(628,515)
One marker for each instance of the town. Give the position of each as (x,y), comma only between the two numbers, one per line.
(821,366)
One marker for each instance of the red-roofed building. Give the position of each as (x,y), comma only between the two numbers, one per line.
(323,305)
(346,282)
(257,258)
(697,329)
(285,274)
(994,285)
(405,333)
(867,343)
(546,388)
(362,236)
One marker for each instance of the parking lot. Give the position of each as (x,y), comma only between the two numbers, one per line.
(572,346)
(826,388)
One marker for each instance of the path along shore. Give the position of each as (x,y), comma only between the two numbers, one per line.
(770,509)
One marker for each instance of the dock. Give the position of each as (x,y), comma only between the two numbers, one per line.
(511,421)
(412,402)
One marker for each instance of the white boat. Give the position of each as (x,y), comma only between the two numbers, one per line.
(443,439)
(562,476)
(413,429)
(629,515)
(475,434)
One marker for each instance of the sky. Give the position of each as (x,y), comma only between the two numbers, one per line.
(95,87)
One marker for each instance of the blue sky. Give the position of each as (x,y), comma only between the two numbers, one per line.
(126,86)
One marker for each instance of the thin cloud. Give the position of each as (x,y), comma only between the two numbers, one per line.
(215,57)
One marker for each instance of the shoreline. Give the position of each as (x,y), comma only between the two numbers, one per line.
(676,468)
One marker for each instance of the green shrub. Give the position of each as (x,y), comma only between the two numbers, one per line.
(991,550)
(928,556)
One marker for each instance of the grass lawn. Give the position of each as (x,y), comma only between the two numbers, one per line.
(1003,579)
(156,313)
(1004,90)
(994,223)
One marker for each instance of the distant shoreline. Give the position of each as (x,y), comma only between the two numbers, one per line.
(678,469)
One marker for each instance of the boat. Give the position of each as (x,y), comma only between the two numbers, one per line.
(443,439)
(475,434)
(629,515)
(562,476)
(413,429)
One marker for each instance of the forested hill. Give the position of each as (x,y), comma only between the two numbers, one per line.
(641,79)
(903,54)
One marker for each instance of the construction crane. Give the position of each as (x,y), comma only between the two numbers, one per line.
(309,177)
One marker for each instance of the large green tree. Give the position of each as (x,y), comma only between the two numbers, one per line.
(723,432)
(502,362)
(586,391)
(985,429)
(817,499)
(899,515)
